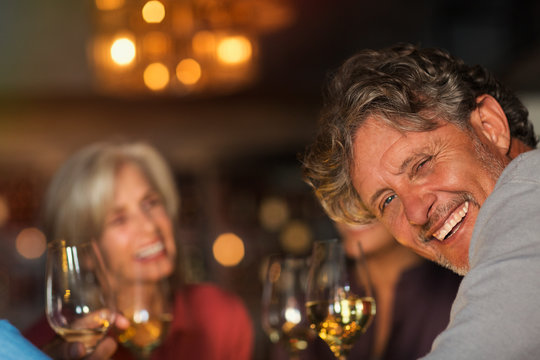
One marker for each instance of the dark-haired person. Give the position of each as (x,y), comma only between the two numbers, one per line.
(413,298)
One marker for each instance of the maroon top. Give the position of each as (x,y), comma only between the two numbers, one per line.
(208,324)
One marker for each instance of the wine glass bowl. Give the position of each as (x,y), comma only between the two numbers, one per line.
(338,309)
(283,303)
(147,306)
(79,305)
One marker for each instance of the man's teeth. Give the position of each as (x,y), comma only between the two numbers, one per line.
(456,217)
(150,250)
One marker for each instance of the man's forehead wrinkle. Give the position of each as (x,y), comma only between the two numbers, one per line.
(390,161)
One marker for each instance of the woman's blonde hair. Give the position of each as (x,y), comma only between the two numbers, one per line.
(82,191)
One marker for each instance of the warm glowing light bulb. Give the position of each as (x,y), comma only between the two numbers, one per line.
(228,249)
(153,12)
(188,71)
(123,51)
(156,76)
(234,50)
(31,243)
(204,43)
(109,4)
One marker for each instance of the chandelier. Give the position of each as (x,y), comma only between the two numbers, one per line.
(180,47)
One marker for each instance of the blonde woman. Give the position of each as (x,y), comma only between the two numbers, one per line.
(124,195)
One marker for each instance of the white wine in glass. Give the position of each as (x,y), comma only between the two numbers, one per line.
(283,304)
(79,302)
(148,307)
(337,309)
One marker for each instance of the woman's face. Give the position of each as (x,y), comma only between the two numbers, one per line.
(137,239)
(373,238)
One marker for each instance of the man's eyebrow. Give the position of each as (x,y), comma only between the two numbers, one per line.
(405,164)
(402,168)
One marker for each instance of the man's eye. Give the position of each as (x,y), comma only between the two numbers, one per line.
(423,162)
(387,201)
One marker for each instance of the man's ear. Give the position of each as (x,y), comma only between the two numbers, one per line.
(489,120)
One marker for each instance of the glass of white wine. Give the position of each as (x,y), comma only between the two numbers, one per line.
(79,301)
(283,303)
(147,305)
(338,309)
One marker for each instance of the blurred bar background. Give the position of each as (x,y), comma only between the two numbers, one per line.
(229,91)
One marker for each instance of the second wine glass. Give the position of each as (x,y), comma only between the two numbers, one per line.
(338,309)
(283,312)
(147,305)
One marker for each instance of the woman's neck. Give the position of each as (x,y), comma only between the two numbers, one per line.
(385,268)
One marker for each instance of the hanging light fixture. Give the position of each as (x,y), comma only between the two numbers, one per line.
(180,46)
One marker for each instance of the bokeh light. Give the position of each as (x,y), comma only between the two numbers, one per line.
(203,43)
(109,4)
(296,238)
(188,71)
(155,44)
(228,249)
(273,213)
(234,50)
(123,51)
(156,76)
(31,243)
(153,12)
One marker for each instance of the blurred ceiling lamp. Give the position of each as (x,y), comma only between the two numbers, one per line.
(234,50)
(188,71)
(109,4)
(210,45)
(156,76)
(122,51)
(153,12)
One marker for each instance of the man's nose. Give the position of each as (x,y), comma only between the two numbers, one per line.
(417,204)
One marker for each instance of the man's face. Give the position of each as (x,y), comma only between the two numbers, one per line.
(426,187)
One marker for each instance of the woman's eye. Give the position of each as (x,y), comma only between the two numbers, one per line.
(387,201)
(118,220)
(150,203)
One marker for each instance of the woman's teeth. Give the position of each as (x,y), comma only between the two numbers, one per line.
(150,250)
(452,221)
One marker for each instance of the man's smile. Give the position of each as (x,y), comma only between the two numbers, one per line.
(452,223)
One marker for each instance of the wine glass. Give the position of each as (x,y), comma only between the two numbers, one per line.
(283,304)
(147,305)
(79,301)
(339,309)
